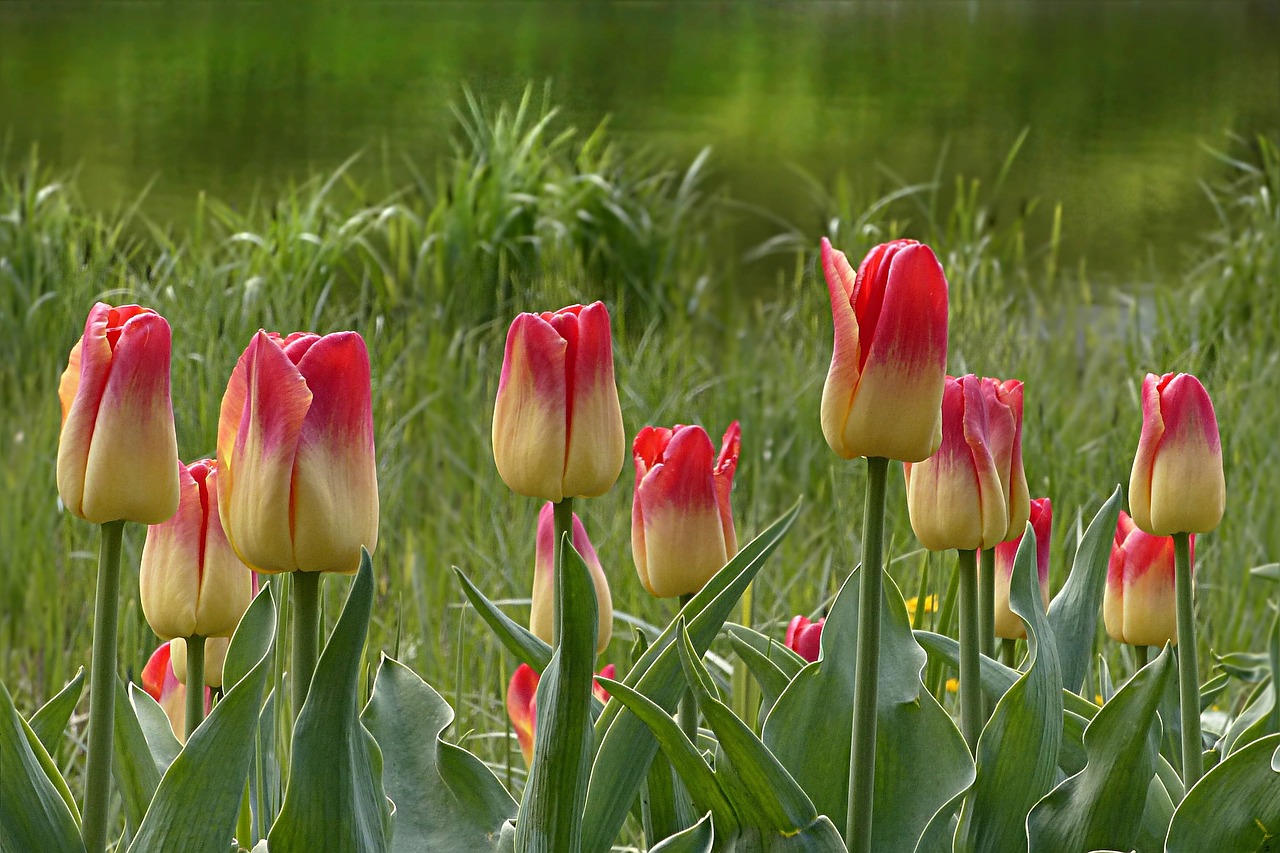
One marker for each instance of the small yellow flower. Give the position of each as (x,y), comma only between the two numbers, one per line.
(1097,699)
(953,684)
(930,605)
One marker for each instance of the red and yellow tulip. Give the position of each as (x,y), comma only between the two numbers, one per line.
(1139,606)
(1008,625)
(542,611)
(1004,420)
(522,704)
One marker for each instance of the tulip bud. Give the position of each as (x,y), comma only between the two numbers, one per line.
(542,612)
(681,525)
(522,704)
(1177,484)
(955,498)
(884,387)
(118,454)
(557,424)
(1004,417)
(299,489)
(190,579)
(1008,625)
(215,657)
(162,684)
(1139,606)
(805,637)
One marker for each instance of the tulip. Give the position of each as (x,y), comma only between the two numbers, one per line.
(1008,625)
(299,490)
(117,453)
(884,387)
(1139,606)
(1004,418)
(681,525)
(215,658)
(522,704)
(191,580)
(1177,484)
(955,497)
(557,424)
(542,612)
(804,637)
(161,683)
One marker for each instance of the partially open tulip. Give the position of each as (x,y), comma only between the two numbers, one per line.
(557,424)
(681,524)
(1008,625)
(542,612)
(1177,484)
(162,684)
(1004,420)
(191,580)
(298,488)
(118,454)
(884,387)
(1140,603)
(955,497)
(804,637)
(522,705)
(215,657)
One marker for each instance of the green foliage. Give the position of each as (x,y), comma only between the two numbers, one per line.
(50,722)
(1235,807)
(36,810)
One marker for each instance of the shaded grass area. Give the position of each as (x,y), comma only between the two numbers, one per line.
(529,215)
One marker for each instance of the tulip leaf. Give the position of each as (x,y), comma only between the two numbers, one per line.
(910,724)
(135,769)
(626,746)
(1073,613)
(445,797)
(698,838)
(255,632)
(939,835)
(775,652)
(36,813)
(519,640)
(1235,807)
(334,799)
(212,768)
(50,722)
(1094,809)
(1270,572)
(1017,753)
(154,723)
(768,662)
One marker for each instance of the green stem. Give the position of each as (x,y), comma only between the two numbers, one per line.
(1009,652)
(970,688)
(102,690)
(987,601)
(563,514)
(689,702)
(862,756)
(1188,668)
(1142,654)
(195,683)
(306,634)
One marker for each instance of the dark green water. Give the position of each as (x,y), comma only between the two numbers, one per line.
(1121,98)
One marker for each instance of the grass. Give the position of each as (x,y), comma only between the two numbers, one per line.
(529,215)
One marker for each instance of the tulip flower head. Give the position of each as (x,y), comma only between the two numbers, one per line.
(805,637)
(557,424)
(1139,606)
(522,704)
(1008,625)
(1177,485)
(681,524)
(215,658)
(542,612)
(955,497)
(162,684)
(1004,420)
(298,488)
(884,387)
(118,453)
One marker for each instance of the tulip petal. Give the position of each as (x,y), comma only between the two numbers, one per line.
(722,479)
(169,571)
(1144,459)
(529,420)
(977,434)
(226,584)
(1188,492)
(521,709)
(842,378)
(944,492)
(80,391)
(597,444)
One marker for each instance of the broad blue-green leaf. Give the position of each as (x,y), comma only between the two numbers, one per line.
(334,802)
(1017,754)
(1261,715)
(34,813)
(518,639)
(550,815)
(696,839)
(626,746)
(1235,808)
(939,835)
(1073,613)
(1095,809)
(213,767)
(135,769)
(910,724)
(445,797)
(50,722)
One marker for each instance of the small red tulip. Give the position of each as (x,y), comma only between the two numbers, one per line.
(804,637)
(542,611)
(522,704)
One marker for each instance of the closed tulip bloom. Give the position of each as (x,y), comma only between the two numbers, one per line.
(1004,418)
(161,684)
(1140,603)
(522,704)
(542,612)
(681,525)
(805,637)
(1008,625)
(215,657)
(191,580)
(117,453)
(298,488)
(1177,484)
(884,387)
(557,424)
(955,497)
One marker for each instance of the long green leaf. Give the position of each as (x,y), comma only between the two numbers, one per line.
(154,722)
(50,722)
(34,814)
(698,838)
(519,640)
(764,666)
(135,769)
(1235,808)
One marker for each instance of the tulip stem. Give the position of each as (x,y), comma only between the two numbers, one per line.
(195,683)
(987,600)
(306,634)
(1188,668)
(102,690)
(1142,653)
(970,687)
(862,756)
(563,514)
(689,702)
(1009,651)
